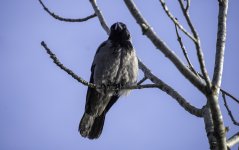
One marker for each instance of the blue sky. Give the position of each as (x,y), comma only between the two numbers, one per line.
(41,106)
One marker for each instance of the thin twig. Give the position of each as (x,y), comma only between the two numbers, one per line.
(142,80)
(100,16)
(197,45)
(184,51)
(233,140)
(231,96)
(150,33)
(66,19)
(175,21)
(59,64)
(188,5)
(223,91)
(229,111)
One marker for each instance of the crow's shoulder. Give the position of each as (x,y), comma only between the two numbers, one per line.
(101,45)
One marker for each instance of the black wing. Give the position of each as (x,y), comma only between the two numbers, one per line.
(92,95)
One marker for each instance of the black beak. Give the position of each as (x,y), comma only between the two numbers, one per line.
(118,26)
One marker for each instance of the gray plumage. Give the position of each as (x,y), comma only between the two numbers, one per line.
(115,64)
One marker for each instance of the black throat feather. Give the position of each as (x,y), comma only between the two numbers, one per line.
(126,44)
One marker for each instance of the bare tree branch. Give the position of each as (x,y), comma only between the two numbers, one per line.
(225,103)
(222,90)
(175,21)
(148,31)
(197,45)
(233,140)
(66,19)
(100,16)
(184,51)
(188,5)
(217,76)
(228,110)
(170,91)
(142,80)
(231,96)
(59,64)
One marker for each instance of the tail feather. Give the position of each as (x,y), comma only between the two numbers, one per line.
(97,127)
(91,126)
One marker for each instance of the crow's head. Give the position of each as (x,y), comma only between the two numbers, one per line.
(119,32)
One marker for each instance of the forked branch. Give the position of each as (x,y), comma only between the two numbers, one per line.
(175,21)
(149,32)
(230,95)
(184,51)
(188,5)
(197,45)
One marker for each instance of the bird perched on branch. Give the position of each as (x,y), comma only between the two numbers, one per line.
(115,65)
